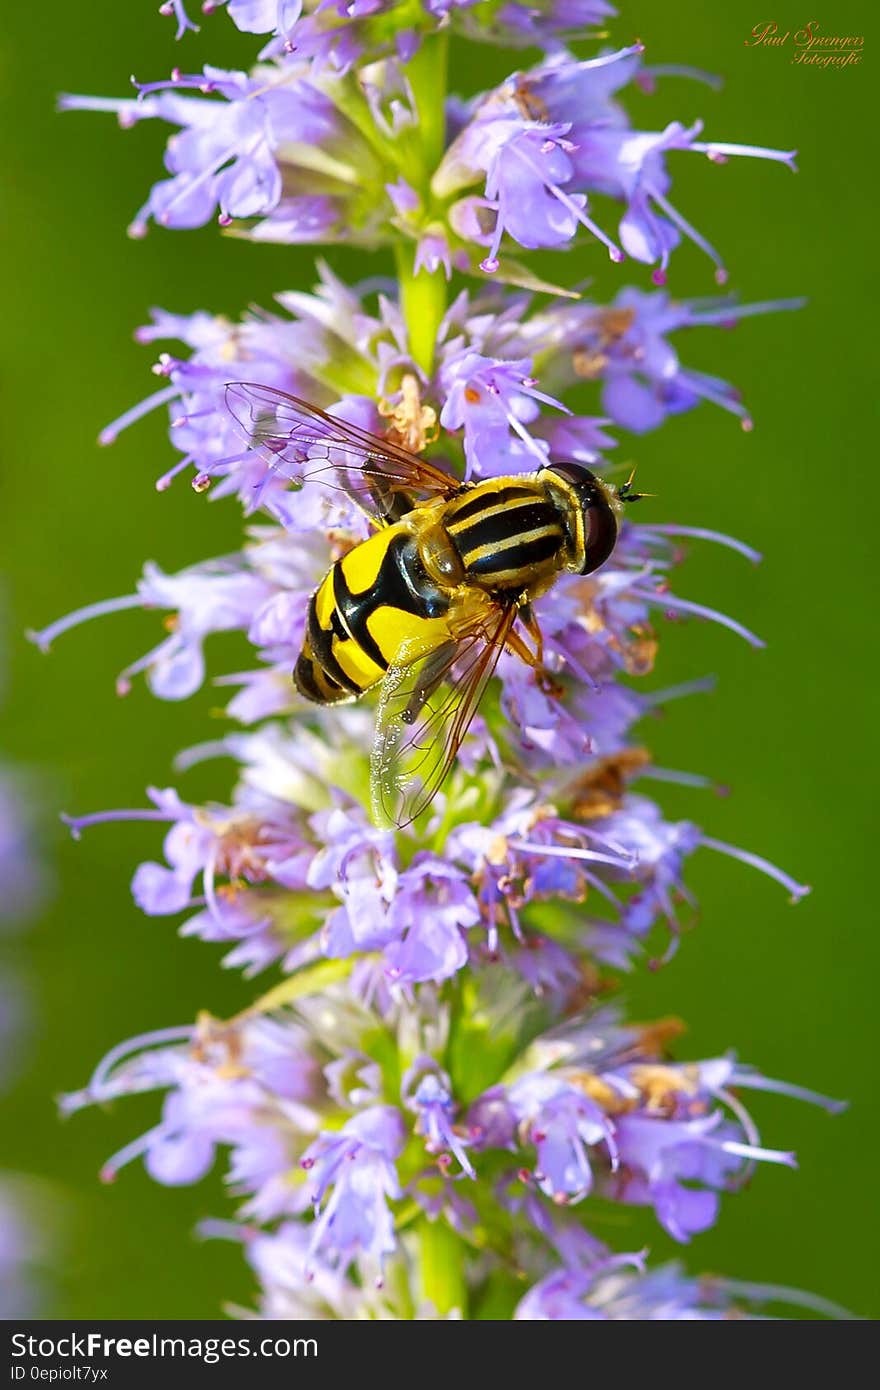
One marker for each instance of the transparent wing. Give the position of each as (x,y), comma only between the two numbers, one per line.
(425,708)
(302,443)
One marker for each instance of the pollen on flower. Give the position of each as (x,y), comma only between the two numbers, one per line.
(528,103)
(661,1086)
(639,653)
(411,424)
(600,790)
(587,364)
(612,1101)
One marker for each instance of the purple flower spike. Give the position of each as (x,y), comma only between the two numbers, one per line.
(429,1108)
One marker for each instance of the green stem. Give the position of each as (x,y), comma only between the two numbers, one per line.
(441,1268)
(423,301)
(427,73)
(423,296)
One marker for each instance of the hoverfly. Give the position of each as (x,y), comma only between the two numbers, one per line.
(425,606)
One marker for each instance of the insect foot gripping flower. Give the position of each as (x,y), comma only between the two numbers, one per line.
(430,1108)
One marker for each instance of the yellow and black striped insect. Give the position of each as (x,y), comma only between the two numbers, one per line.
(426,605)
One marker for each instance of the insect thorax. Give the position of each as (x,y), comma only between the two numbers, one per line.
(507,533)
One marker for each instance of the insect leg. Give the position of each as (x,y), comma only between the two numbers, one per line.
(535,659)
(530,623)
(515,644)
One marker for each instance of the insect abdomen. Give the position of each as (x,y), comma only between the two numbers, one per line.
(374,602)
(505,533)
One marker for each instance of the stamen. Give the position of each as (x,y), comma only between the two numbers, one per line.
(580,671)
(704,685)
(159,1037)
(754,1081)
(163,483)
(530,383)
(750,1151)
(570,852)
(123,680)
(771,1293)
(700,533)
(700,611)
(657,963)
(110,432)
(731,313)
(750,1129)
(709,79)
(129,1152)
(186,419)
(184,23)
(607,843)
(713,148)
(602,888)
(717,392)
(200,752)
(177,80)
(139,225)
(755,861)
(683,779)
(209,883)
(119,106)
(690,231)
(77,824)
(608,58)
(47,635)
(214,1228)
(531,444)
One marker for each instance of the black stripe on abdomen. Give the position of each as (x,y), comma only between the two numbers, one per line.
(321,643)
(400,583)
(312,681)
(356,608)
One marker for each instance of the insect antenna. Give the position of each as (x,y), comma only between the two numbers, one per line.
(625,492)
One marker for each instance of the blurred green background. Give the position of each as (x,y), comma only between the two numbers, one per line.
(788,729)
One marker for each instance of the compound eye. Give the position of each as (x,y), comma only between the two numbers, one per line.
(600,532)
(574,473)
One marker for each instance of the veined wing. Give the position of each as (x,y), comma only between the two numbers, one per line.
(425,709)
(303,443)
